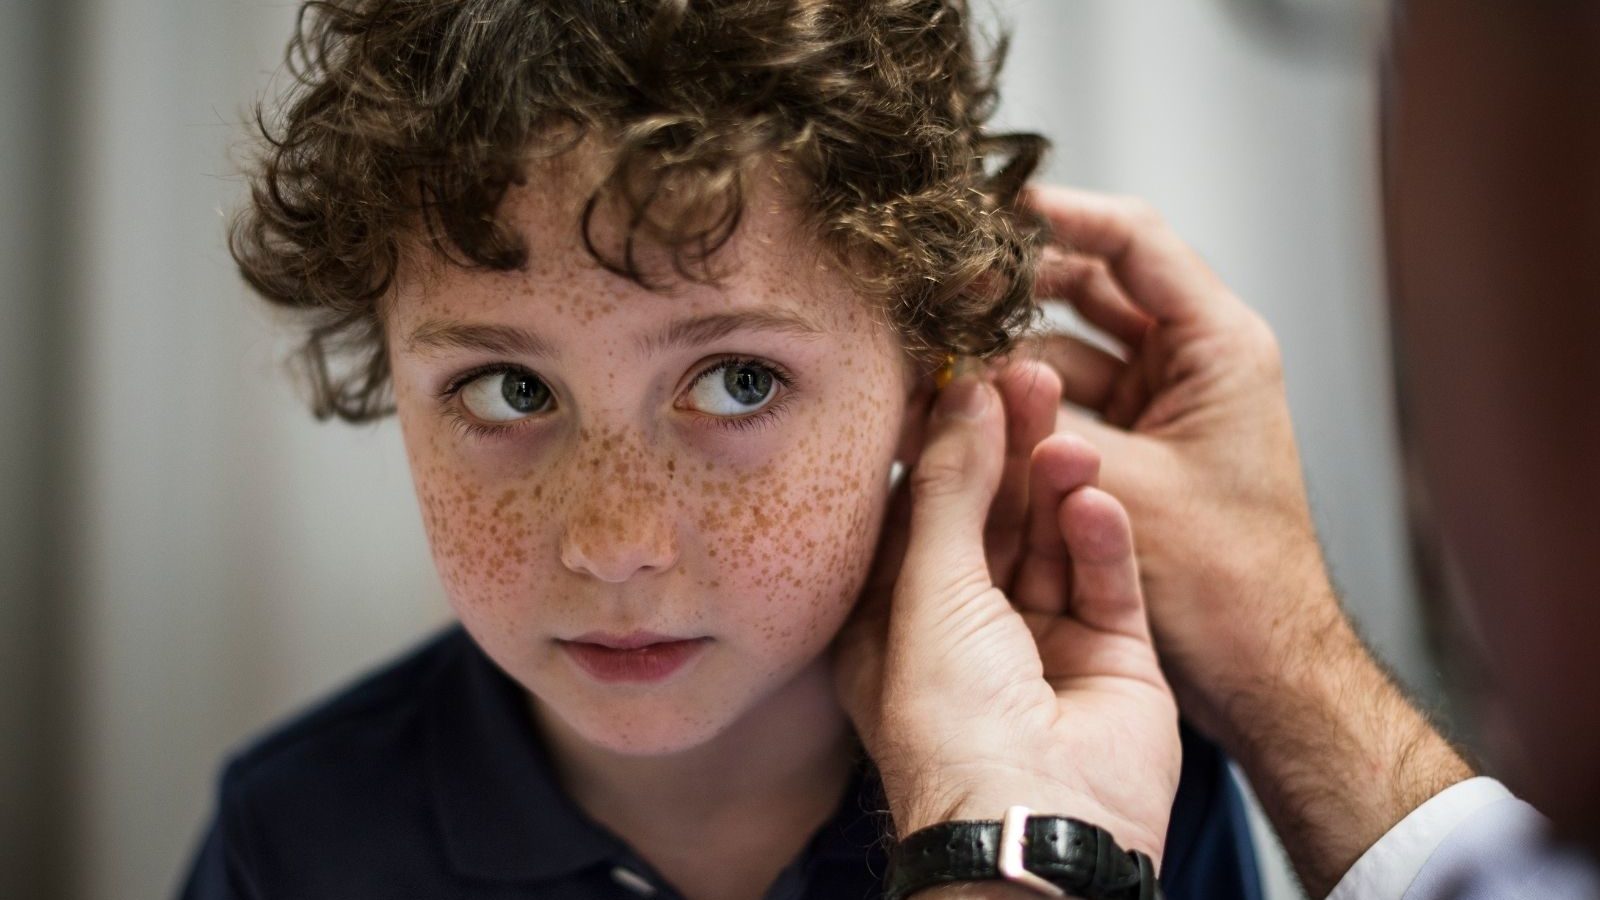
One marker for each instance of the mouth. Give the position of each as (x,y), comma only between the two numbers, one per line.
(636,657)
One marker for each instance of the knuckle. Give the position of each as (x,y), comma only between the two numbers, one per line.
(1264,345)
(938,476)
(1142,212)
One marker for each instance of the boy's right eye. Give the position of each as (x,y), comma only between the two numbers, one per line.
(505,395)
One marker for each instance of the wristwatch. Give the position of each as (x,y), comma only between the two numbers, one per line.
(1053,855)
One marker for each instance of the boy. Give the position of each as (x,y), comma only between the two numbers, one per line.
(655,290)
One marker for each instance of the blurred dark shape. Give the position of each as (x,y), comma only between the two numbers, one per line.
(1337,31)
(1493,200)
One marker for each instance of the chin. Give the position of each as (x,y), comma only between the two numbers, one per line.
(646,727)
(652,744)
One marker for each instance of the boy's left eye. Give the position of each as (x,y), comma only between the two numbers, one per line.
(506,395)
(733,388)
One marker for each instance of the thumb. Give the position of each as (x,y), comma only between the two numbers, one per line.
(952,487)
(1131,463)
(1106,594)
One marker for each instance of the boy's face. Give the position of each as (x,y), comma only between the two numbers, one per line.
(597,461)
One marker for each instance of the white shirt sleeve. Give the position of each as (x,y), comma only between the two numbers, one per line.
(1471,841)
(1388,867)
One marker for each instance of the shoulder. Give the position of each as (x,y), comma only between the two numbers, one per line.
(372,721)
(337,791)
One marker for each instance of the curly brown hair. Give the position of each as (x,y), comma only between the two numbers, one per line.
(413,118)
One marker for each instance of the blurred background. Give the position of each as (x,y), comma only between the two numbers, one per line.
(186,556)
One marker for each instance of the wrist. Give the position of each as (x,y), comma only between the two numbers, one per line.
(934,807)
(1336,752)
(1048,855)
(1261,625)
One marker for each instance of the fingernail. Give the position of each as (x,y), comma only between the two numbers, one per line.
(966,397)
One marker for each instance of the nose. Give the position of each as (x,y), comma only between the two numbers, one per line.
(615,534)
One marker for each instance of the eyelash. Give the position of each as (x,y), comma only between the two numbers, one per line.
(475,430)
(767,414)
(478,430)
(460,422)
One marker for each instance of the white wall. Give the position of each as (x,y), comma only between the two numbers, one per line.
(233,559)
(236,558)
(1268,166)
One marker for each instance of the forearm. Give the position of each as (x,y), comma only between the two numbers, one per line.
(1335,751)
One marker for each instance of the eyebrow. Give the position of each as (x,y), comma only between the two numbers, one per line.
(513,341)
(704,329)
(505,340)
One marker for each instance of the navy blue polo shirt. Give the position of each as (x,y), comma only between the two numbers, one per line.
(427,780)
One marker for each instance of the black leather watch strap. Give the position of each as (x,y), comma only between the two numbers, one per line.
(1080,858)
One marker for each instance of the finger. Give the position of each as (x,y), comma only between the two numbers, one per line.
(1086,283)
(952,486)
(1087,373)
(1133,469)
(1105,575)
(1159,272)
(1031,391)
(1061,464)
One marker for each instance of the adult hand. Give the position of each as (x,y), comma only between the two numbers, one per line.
(1042,688)
(1194,427)
(1193,423)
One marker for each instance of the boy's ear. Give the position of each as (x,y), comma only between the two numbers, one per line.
(914,430)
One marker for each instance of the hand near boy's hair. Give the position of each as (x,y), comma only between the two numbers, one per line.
(1193,422)
(1010,663)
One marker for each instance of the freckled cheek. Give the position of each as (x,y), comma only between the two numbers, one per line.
(793,553)
(485,531)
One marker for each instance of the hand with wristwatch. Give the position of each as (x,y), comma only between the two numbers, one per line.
(1000,670)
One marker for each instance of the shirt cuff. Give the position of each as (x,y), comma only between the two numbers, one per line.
(1389,866)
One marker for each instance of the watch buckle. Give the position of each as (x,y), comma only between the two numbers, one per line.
(1013,832)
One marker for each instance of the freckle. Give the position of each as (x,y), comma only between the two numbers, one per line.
(506,499)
